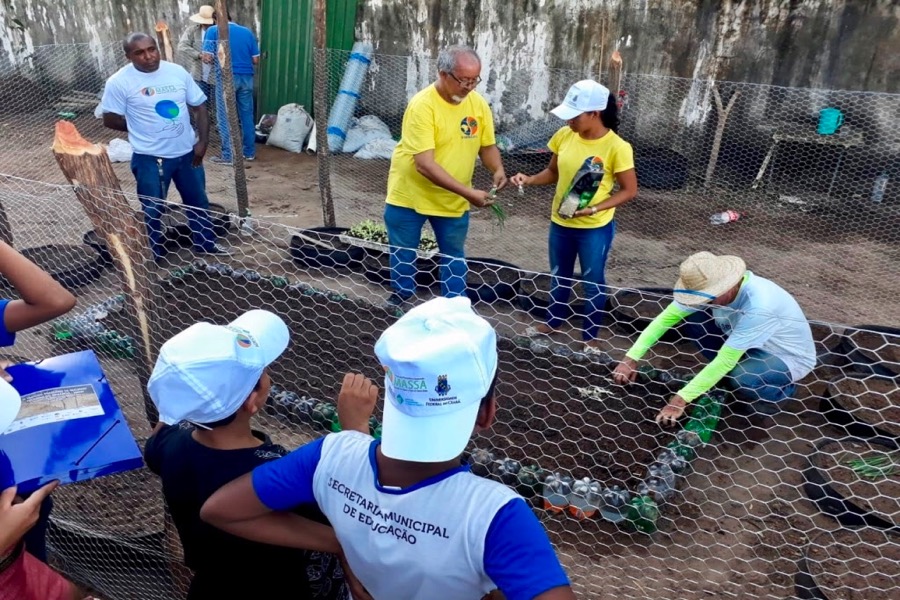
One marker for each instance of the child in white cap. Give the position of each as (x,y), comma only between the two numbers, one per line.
(208,383)
(412,520)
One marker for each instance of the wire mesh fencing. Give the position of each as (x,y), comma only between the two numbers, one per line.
(730,502)
(816,194)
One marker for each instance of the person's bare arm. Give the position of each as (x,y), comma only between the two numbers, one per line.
(547,176)
(256,59)
(490,156)
(114,121)
(560,593)
(356,402)
(16,518)
(428,168)
(235,508)
(201,118)
(42,297)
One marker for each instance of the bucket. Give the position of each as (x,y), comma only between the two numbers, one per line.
(830,120)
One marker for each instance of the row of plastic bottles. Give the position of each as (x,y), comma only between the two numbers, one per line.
(310,411)
(88,327)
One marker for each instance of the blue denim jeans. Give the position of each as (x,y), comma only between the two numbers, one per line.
(591,248)
(404,227)
(243,91)
(153,176)
(759,375)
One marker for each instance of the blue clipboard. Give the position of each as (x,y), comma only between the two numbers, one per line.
(70,426)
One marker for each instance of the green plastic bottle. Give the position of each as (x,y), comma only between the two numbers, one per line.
(643,513)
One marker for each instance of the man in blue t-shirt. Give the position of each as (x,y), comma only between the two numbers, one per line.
(150,100)
(411,519)
(244,57)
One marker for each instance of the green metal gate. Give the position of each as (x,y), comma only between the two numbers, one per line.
(288,50)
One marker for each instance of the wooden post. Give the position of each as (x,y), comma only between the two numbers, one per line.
(720,131)
(320,108)
(87,167)
(231,114)
(615,73)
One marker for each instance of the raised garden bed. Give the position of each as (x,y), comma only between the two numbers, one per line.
(321,247)
(556,408)
(872,349)
(862,564)
(72,266)
(841,492)
(178,232)
(863,405)
(634,309)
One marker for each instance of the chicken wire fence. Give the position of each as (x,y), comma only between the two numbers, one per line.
(820,211)
(723,505)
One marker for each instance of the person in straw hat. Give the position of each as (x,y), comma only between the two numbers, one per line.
(190,51)
(758,338)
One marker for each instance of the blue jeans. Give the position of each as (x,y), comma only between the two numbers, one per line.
(153,177)
(243,91)
(404,226)
(759,375)
(591,247)
(36,537)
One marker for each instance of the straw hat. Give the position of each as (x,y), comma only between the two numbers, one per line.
(704,276)
(204,16)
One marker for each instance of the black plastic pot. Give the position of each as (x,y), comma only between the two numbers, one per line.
(329,252)
(376,268)
(660,168)
(627,319)
(841,411)
(830,501)
(806,585)
(864,360)
(178,232)
(72,266)
(99,244)
(536,301)
(490,280)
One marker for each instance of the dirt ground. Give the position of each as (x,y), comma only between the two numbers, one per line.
(742,520)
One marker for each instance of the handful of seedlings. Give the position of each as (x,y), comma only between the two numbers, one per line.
(876,466)
(499,213)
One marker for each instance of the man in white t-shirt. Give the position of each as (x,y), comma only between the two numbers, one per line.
(756,335)
(411,519)
(150,99)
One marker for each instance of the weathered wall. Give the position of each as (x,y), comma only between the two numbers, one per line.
(33,33)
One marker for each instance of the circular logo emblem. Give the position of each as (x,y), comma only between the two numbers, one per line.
(244,341)
(469,126)
(148,91)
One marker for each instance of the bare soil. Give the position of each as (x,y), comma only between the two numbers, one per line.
(872,400)
(880,496)
(861,564)
(879,347)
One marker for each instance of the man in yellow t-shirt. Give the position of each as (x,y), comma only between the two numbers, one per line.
(446,126)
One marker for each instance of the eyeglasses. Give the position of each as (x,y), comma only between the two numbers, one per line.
(468,83)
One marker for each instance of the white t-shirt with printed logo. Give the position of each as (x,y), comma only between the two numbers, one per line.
(454,536)
(155,107)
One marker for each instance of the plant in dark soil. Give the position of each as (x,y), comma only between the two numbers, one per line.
(876,466)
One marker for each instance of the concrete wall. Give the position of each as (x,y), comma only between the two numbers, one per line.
(78,42)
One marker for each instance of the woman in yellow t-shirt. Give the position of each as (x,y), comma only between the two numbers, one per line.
(589,158)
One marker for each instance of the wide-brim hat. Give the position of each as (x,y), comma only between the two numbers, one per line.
(704,277)
(204,16)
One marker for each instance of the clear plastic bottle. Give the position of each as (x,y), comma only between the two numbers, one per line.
(879,187)
(726,216)
(556,492)
(614,504)
(585,499)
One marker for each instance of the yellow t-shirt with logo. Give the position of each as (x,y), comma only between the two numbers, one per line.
(610,153)
(456,133)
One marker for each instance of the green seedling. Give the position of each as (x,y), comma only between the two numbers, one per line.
(876,466)
(497,209)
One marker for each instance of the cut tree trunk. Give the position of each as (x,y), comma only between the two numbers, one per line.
(88,168)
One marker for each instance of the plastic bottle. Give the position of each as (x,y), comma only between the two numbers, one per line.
(726,216)
(879,187)
(556,492)
(585,499)
(659,484)
(643,512)
(673,461)
(614,504)
(507,470)
(529,481)
(481,461)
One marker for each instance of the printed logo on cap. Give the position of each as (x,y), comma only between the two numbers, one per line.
(443,386)
(244,341)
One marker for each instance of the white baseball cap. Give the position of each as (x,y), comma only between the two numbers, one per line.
(439,360)
(585,96)
(205,373)
(10,403)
